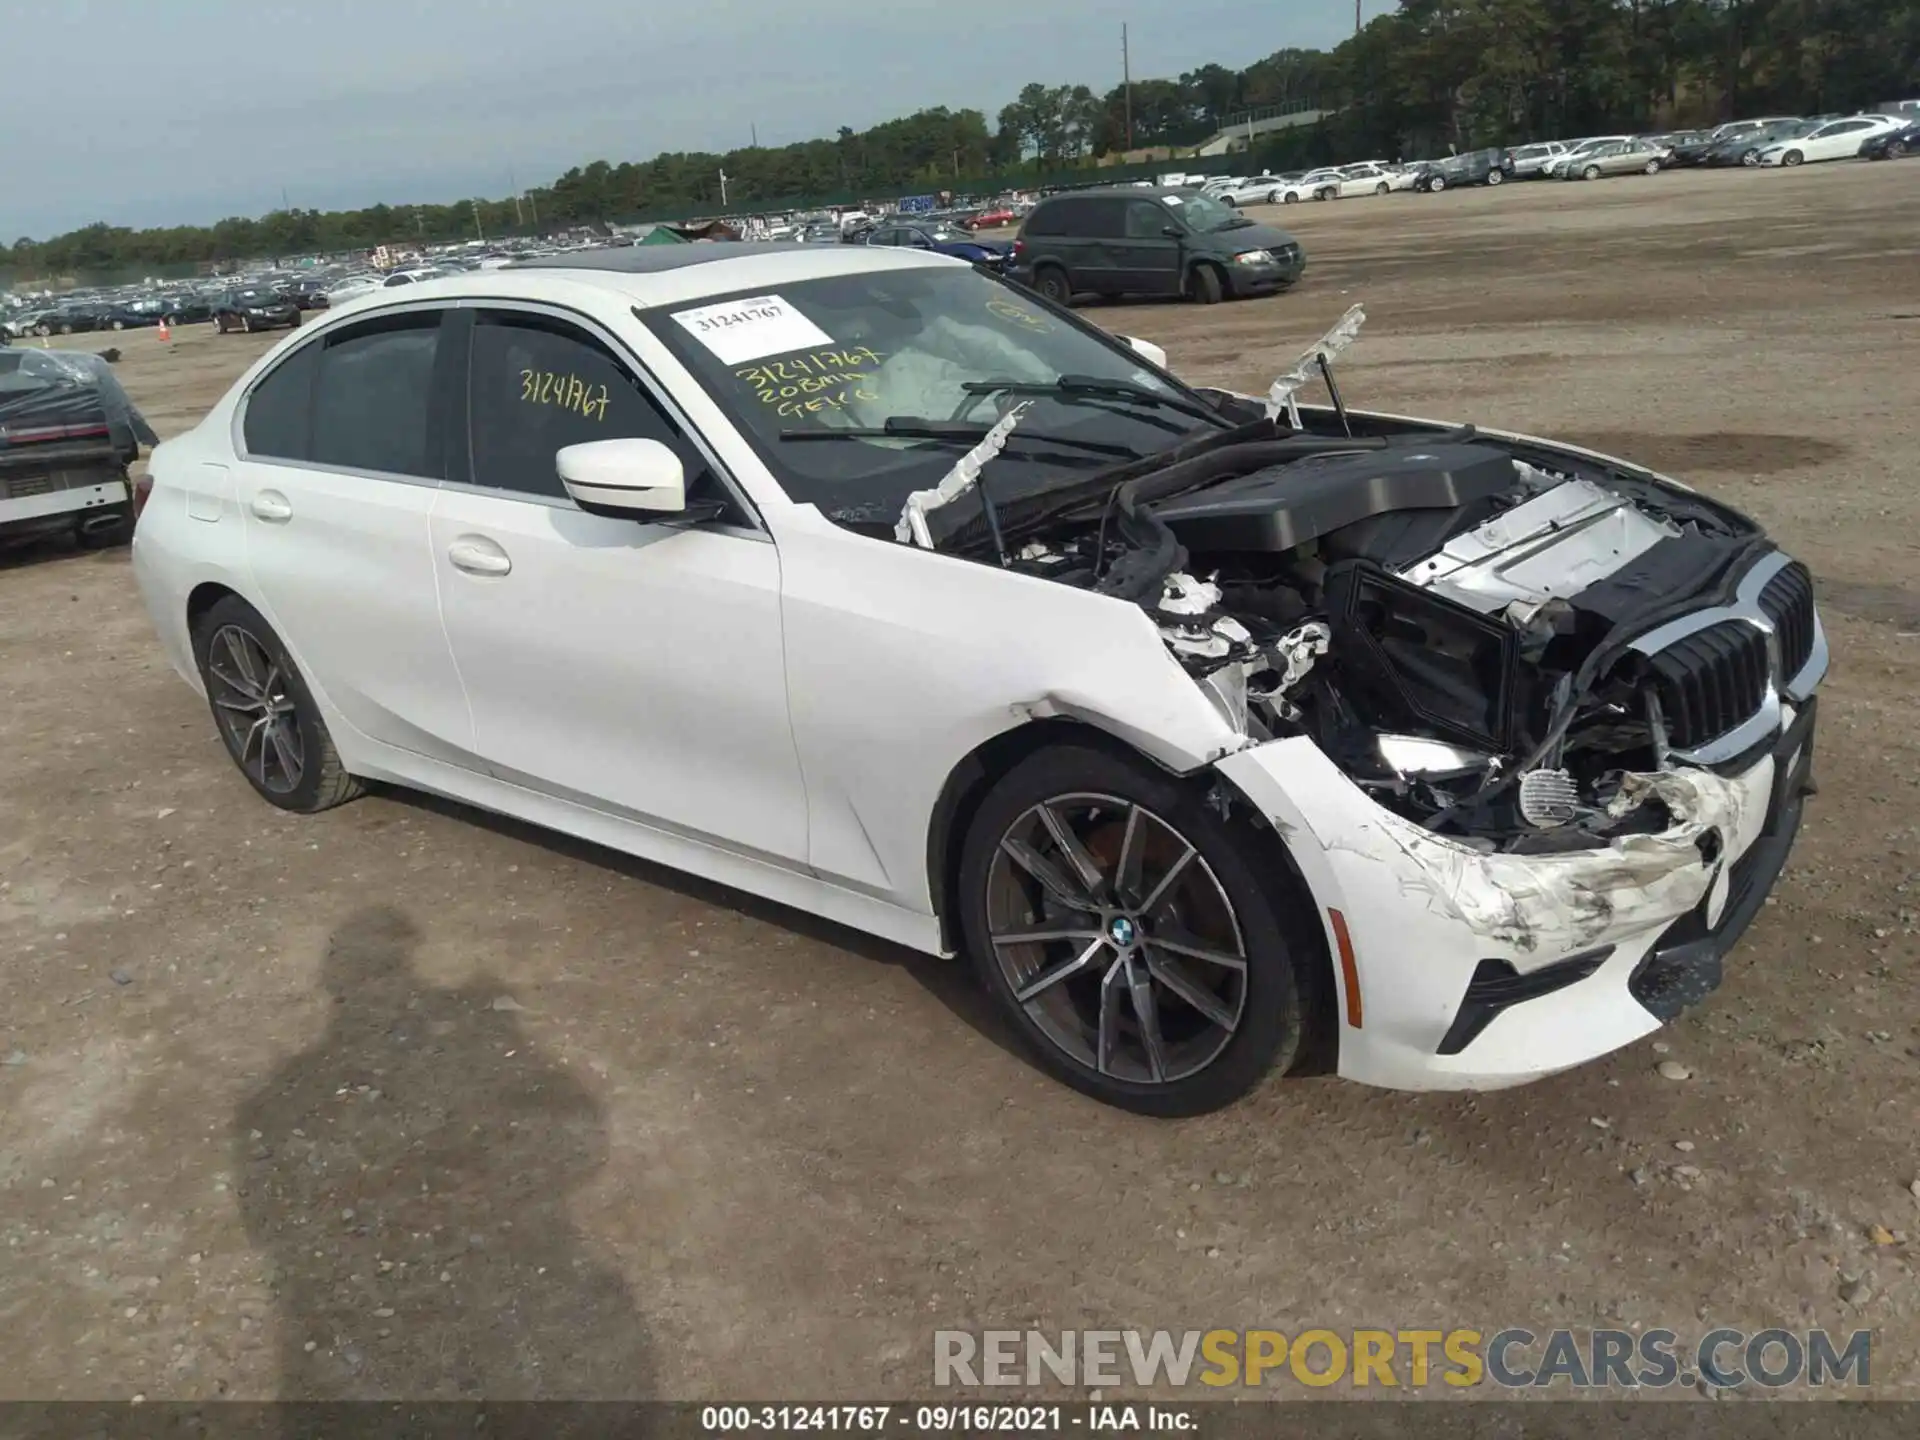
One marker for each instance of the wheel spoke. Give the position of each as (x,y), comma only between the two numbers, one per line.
(242,655)
(1181,943)
(244,707)
(1147,1011)
(1076,853)
(1028,937)
(1166,881)
(1109,1046)
(1050,876)
(1050,978)
(283,751)
(256,731)
(1170,973)
(1126,872)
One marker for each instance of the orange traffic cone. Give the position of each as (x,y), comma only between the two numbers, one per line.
(165,333)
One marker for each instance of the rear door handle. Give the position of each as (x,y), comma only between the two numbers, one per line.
(272,505)
(478,555)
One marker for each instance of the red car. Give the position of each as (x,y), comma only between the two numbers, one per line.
(993,218)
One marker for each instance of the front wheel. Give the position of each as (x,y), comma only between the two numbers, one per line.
(1291,198)
(1134,938)
(1496,177)
(1653,167)
(1206,286)
(119,324)
(1382,188)
(1896,149)
(1436,184)
(1592,172)
(1792,157)
(264,712)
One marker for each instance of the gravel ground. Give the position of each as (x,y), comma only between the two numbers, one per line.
(409,1100)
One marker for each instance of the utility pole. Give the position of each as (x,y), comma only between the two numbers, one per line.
(723,189)
(1356,16)
(476,219)
(754,131)
(513,184)
(1126,81)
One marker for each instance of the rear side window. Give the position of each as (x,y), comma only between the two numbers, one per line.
(372,397)
(1049,219)
(279,419)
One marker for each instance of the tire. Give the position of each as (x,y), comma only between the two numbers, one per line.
(294,324)
(1749,157)
(119,324)
(303,774)
(1652,167)
(1592,172)
(219,326)
(1052,284)
(1382,188)
(105,537)
(1291,198)
(42,331)
(66,329)
(1791,158)
(1238,955)
(1896,149)
(1206,285)
(170,321)
(1496,177)
(1436,184)
(1230,202)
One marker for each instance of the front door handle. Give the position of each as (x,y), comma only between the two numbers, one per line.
(272,505)
(478,555)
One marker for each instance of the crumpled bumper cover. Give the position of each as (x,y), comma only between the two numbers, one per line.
(1593,948)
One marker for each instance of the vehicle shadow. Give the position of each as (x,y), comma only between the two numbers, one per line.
(950,982)
(409,1175)
(52,549)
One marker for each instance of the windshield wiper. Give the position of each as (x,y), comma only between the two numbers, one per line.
(1234,222)
(1091,387)
(956,432)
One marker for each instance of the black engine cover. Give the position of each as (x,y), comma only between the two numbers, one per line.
(1283,506)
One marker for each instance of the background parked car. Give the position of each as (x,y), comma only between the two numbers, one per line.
(1893,144)
(1557,166)
(1323,184)
(1617,157)
(1529,161)
(1257,189)
(1834,140)
(1745,148)
(1150,242)
(942,239)
(254,309)
(1476,167)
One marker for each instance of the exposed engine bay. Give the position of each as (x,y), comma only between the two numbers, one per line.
(1461,623)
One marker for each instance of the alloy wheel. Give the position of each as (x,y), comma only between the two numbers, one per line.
(256,711)
(1116,938)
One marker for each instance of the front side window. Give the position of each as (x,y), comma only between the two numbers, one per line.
(809,371)
(537,384)
(373,393)
(1146,220)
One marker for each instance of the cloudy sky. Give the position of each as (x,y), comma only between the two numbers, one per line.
(157,112)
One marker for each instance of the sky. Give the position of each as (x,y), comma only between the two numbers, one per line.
(210,108)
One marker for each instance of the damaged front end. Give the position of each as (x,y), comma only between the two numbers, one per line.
(1513,645)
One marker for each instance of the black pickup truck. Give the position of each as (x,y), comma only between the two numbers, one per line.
(68,432)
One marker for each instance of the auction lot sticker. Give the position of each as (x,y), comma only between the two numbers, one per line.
(743,330)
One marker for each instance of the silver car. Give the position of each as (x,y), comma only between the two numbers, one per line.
(1617,157)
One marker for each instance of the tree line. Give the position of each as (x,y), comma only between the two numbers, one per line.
(1432,76)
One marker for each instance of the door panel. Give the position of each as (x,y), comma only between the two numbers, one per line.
(341,567)
(633,666)
(342,456)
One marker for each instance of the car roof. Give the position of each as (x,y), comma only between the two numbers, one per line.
(649,275)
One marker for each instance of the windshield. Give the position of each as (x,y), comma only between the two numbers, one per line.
(1203,212)
(854,351)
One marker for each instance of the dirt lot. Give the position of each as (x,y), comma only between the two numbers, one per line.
(405,1100)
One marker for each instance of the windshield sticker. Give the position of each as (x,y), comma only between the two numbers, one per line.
(1018,314)
(827,379)
(568,392)
(743,330)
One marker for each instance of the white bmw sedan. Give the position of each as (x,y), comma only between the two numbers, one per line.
(1222,734)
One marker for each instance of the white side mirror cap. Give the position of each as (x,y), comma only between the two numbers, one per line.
(623,477)
(1147,351)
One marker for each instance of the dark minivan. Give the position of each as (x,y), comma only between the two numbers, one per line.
(1140,241)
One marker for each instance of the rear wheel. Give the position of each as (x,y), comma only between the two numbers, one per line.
(1206,285)
(1437,184)
(1052,283)
(1496,177)
(264,712)
(1130,934)
(1896,149)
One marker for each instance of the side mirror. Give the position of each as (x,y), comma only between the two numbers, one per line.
(1147,351)
(623,479)
(1173,232)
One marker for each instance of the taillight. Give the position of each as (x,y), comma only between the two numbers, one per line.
(1019,248)
(142,488)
